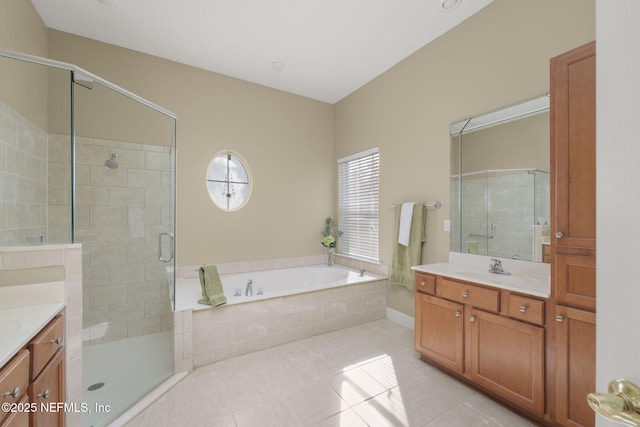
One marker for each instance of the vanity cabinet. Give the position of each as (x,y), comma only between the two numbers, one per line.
(489,336)
(573,227)
(35,375)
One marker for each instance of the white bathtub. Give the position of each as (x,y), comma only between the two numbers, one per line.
(296,303)
(271,284)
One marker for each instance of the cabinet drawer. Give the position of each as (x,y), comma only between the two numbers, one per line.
(487,299)
(425,283)
(45,345)
(14,379)
(526,309)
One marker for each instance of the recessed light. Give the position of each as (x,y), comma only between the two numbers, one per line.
(277,64)
(109,2)
(448,5)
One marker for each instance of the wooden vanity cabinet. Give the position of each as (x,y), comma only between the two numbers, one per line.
(491,337)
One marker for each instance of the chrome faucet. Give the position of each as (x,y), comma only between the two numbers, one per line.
(496,267)
(249,289)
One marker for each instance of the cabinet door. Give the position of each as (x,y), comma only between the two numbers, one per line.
(575,281)
(575,366)
(573,149)
(507,357)
(48,389)
(439,331)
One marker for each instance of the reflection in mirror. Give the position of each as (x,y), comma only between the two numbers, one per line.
(500,199)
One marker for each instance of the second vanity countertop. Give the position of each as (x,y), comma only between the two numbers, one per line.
(526,277)
(24,311)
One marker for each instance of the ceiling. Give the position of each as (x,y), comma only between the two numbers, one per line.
(322,50)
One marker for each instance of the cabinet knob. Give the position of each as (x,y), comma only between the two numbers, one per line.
(472,319)
(423,283)
(57,341)
(559,234)
(458,314)
(560,319)
(44,395)
(465,294)
(15,393)
(523,309)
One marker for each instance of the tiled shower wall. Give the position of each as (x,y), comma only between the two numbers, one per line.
(23,179)
(119,215)
(514,202)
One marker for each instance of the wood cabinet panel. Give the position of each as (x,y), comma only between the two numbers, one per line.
(48,388)
(45,345)
(526,309)
(507,357)
(575,366)
(425,283)
(439,332)
(14,380)
(19,418)
(575,280)
(573,147)
(477,296)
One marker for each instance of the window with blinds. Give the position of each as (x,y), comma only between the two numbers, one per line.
(358,204)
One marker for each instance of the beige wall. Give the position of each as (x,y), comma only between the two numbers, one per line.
(286,139)
(496,58)
(22,30)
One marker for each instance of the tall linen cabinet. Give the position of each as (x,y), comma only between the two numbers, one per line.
(573,245)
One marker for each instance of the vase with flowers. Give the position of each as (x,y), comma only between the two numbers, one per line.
(330,240)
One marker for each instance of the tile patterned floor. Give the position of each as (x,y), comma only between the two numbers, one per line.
(367,375)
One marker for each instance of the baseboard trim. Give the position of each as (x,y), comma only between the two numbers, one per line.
(400,318)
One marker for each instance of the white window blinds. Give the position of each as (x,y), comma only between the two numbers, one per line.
(358,204)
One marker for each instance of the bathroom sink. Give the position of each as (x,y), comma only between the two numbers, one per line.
(500,279)
(8,327)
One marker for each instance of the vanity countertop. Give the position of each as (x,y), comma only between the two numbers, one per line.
(526,277)
(24,311)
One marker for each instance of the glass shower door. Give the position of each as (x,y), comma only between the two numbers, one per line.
(124,216)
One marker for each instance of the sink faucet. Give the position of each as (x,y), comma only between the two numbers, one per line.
(249,289)
(496,267)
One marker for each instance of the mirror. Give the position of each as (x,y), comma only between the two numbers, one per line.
(500,188)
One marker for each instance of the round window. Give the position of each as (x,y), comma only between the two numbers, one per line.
(228,181)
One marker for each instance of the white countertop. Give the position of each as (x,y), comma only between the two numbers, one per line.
(24,311)
(526,277)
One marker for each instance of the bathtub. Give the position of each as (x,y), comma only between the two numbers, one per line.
(287,305)
(270,284)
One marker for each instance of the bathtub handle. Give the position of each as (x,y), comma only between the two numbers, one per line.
(171,250)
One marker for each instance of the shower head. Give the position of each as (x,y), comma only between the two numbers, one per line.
(112,163)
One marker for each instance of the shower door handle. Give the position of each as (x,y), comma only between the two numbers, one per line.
(171,244)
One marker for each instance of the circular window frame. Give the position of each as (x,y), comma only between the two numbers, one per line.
(242,164)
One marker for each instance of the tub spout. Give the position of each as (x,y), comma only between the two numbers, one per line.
(249,289)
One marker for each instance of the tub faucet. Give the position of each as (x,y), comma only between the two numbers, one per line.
(496,267)
(249,289)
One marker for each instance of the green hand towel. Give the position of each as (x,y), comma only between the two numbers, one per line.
(406,256)
(212,293)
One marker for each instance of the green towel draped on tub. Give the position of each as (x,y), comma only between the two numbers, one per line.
(212,293)
(406,256)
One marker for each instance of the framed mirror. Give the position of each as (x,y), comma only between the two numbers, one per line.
(500,188)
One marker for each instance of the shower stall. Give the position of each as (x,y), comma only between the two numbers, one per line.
(85,161)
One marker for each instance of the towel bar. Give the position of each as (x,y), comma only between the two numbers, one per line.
(436,205)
